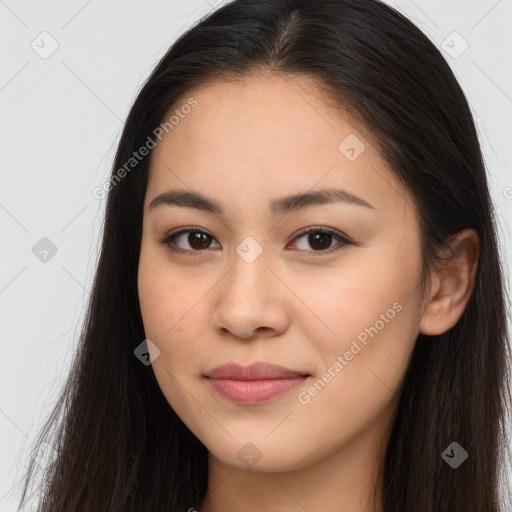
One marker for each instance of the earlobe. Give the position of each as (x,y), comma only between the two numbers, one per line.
(453,284)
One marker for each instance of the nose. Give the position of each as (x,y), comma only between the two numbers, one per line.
(251,301)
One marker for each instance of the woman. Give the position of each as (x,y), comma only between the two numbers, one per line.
(231,358)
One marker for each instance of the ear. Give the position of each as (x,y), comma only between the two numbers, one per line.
(452,284)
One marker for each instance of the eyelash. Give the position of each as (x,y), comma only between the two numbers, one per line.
(169,239)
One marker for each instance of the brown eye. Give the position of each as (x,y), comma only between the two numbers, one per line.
(196,240)
(320,240)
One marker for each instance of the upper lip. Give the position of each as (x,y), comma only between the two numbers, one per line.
(255,371)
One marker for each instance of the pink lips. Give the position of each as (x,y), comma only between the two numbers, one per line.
(253,384)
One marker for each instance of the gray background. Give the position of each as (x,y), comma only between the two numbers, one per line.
(61,117)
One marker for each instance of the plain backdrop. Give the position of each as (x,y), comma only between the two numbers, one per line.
(69,73)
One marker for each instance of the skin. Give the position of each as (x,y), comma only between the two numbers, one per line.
(295,305)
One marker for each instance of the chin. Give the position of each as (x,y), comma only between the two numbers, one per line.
(265,456)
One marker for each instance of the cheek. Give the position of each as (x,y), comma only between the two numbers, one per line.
(171,323)
(172,312)
(156,304)
(169,314)
(163,297)
(371,314)
(362,369)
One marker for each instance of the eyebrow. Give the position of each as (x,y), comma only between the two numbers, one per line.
(282,205)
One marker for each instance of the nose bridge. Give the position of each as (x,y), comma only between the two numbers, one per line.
(249,276)
(249,296)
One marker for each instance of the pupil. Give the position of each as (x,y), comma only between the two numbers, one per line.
(321,238)
(195,240)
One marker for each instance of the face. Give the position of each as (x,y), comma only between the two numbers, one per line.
(237,279)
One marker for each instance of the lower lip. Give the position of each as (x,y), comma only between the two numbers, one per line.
(253,391)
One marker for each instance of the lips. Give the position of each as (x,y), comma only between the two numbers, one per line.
(255,371)
(253,384)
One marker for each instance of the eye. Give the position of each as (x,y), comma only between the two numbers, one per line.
(197,239)
(320,239)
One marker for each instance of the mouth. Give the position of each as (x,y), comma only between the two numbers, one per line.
(253,384)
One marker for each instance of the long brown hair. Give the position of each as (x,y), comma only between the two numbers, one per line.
(119,445)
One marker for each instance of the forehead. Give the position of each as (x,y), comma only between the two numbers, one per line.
(266,134)
(284,113)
